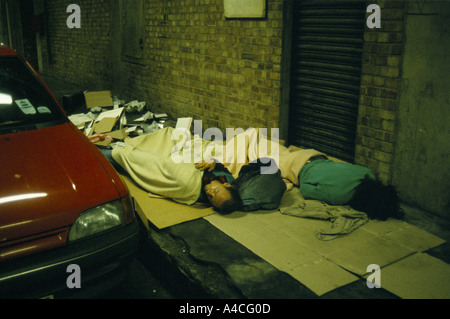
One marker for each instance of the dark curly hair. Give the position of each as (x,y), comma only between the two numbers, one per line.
(377,200)
(231,205)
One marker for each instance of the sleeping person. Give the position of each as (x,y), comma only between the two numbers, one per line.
(216,185)
(220,189)
(251,190)
(148,161)
(338,183)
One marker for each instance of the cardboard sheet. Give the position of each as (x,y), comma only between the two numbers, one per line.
(105,125)
(289,244)
(98,99)
(283,250)
(119,134)
(162,212)
(419,276)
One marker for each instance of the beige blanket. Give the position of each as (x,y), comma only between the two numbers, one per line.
(251,145)
(148,159)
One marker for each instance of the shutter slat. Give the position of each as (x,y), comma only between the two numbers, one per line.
(326,75)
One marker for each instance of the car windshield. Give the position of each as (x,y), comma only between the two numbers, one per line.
(25,104)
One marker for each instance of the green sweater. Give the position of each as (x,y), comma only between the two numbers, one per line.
(331,182)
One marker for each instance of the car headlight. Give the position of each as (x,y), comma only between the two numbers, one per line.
(96,220)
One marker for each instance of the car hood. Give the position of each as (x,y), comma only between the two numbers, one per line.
(47,178)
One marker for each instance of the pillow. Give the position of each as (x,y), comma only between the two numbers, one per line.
(259,191)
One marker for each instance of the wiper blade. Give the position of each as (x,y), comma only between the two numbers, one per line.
(7,123)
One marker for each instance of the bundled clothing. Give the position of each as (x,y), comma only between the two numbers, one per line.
(343,219)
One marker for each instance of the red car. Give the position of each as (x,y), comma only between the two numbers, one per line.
(67,223)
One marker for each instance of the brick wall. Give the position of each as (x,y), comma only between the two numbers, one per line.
(224,72)
(79,55)
(381,70)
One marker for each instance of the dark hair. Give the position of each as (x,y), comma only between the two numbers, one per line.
(231,205)
(377,200)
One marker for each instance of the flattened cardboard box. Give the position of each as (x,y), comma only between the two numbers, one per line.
(419,276)
(119,134)
(105,125)
(98,99)
(289,244)
(162,212)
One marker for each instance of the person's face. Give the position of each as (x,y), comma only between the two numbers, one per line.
(217,193)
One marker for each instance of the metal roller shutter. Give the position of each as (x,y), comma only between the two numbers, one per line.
(326,73)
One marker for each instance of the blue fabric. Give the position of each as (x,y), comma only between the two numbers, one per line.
(107,152)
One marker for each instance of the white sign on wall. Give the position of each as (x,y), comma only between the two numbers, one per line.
(244,8)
